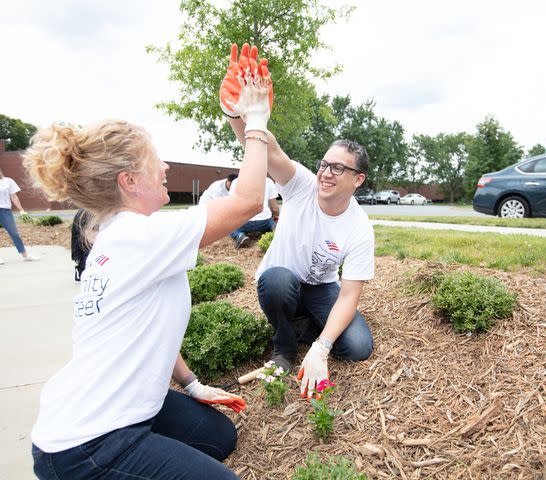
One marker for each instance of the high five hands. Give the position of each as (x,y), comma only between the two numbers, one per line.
(246,84)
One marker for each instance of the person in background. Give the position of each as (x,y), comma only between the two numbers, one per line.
(265,221)
(109,413)
(79,247)
(217,189)
(8,196)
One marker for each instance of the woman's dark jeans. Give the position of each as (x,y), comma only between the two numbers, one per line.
(282,297)
(186,440)
(8,222)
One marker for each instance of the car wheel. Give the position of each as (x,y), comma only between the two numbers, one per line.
(398,202)
(412,202)
(424,202)
(514,207)
(388,201)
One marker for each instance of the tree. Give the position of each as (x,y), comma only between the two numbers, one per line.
(16,133)
(445,157)
(490,150)
(285,31)
(537,149)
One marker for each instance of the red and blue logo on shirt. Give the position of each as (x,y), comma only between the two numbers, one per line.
(331,246)
(101,260)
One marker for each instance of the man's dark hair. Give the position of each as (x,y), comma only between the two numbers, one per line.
(359,152)
(232,176)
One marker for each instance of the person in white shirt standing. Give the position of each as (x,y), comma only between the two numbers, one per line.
(8,196)
(217,189)
(264,221)
(109,413)
(321,228)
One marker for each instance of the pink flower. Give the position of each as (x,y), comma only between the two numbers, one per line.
(324,384)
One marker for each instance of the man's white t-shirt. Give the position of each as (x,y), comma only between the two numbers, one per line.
(216,189)
(130,318)
(7,188)
(270,193)
(312,244)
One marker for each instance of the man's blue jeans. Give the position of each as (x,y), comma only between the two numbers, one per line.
(8,222)
(282,297)
(254,226)
(186,440)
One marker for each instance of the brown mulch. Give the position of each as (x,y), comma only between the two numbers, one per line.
(428,404)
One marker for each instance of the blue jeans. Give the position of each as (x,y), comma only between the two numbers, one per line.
(282,297)
(185,440)
(8,222)
(254,226)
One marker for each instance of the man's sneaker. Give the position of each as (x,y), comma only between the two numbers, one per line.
(286,363)
(242,241)
(30,258)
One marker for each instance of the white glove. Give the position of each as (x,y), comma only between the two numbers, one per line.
(210,395)
(314,369)
(253,105)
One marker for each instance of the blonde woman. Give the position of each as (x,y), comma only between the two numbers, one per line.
(8,196)
(109,413)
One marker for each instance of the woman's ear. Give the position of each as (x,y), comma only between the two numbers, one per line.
(127,182)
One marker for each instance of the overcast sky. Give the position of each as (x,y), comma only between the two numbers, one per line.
(435,66)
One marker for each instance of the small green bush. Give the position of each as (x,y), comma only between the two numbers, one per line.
(209,281)
(473,302)
(265,240)
(333,468)
(200,260)
(221,336)
(26,218)
(48,221)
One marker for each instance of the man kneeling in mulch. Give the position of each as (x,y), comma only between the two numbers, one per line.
(321,227)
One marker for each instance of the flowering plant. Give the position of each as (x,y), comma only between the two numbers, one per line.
(272,381)
(323,416)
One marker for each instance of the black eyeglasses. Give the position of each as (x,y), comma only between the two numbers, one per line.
(335,168)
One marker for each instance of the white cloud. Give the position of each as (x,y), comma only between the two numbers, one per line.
(434,66)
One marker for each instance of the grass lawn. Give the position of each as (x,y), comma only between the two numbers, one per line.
(503,252)
(486,221)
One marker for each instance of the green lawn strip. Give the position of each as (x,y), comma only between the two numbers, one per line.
(485,221)
(502,252)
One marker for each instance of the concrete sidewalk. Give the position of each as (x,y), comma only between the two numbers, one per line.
(35,342)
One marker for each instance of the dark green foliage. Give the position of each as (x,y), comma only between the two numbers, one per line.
(15,132)
(26,218)
(200,260)
(265,240)
(48,221)
(209,281)
(221,336)
(473,302)
(333,468)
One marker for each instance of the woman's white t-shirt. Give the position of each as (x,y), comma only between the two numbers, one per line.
(312,244)
(7,188)
(130,318)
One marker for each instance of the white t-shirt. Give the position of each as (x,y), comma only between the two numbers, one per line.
(312,244)
(7,188)
(216,189)
(270,193)
(130,318)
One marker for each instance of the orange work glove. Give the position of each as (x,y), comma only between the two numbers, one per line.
(210,395)
(237,74)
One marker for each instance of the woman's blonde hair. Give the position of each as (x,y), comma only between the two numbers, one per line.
(82,164)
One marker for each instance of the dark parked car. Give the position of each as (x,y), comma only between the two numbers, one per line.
(366,196)
(515,192)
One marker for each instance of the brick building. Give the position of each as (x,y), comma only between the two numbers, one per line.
(181,179)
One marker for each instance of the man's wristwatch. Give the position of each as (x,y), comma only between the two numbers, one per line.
(325,343)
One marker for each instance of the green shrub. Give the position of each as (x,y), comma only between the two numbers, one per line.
(200,260)
(473,302)
(221,336)
(265,240)
(209,281)
(333,468)
(26,218)
(48,221)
